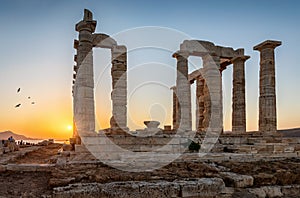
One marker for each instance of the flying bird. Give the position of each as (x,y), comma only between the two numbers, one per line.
(18,105)
(19,89)
(32,102)
(28,97)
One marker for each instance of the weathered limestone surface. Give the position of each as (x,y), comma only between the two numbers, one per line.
(84,110)
(204,187)
(175,108)
(238,95)
(267,88)
(119,85)
(237,180)
(212,93)
(103,41)
(200,103)
(183,91)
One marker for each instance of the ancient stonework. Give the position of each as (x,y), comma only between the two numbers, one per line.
(184,116)
(84,110)
(267,87)
(119,84)
(200,102)
(83,79)
(209,97)
(238,95)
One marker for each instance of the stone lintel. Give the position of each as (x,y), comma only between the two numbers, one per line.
(267,44)
(237,58)
(224,63)
(201,48)
(224,52)
(103,41)
(194,75)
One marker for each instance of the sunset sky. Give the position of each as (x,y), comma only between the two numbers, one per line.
(36,54)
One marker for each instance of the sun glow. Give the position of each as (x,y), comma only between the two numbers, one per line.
(70,127)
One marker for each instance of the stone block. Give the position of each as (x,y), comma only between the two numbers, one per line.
(259,192)
(237,180)
(292,191)
(272,191)
(204,187)
(289,149)
(2,168)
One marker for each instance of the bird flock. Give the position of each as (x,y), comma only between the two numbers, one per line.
(19,104)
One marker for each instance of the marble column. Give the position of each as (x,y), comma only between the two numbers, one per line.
(119,88)
(267,86)
(183,91)
(175,107)
(84,110)
(213,104)
(238,95)
(199,103)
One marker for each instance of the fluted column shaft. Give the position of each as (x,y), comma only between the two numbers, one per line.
(84,110)
(183,93)
(175,108)
(267,87)
(119,88)
(199,103)
(213,103)
(238,95)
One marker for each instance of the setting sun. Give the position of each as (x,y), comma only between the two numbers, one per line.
(69,127)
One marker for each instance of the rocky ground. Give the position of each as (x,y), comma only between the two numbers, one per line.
(43,181)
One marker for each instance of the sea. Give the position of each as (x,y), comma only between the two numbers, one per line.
(40,140)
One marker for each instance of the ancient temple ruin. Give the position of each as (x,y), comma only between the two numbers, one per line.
(209,109)
(83,82)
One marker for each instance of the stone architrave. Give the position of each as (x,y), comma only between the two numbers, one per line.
(267,87)
(119,87)
(238,95)
(184,119)
(84,110)
(200,82)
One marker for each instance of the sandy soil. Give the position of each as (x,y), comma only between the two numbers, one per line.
(35,184)
(44,155)
(29,184)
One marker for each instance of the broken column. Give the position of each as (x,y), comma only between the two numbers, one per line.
(200,103)
(267,89)
(238,95)
(119,88)
(184,119)
(84,110)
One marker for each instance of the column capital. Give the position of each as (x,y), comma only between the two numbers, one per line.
(267,44)
(179,53)
(240,58)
